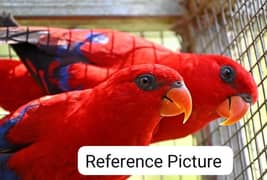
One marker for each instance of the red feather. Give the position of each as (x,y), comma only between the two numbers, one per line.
(18,86)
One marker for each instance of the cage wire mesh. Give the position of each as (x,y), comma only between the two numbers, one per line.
(239,32)
(237,28)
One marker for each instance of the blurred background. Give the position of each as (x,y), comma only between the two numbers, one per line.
(236,28)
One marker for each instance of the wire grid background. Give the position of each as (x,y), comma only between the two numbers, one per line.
(240,33)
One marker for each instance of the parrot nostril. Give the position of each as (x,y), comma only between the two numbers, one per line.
(169,99)
(177,84)
(246,97)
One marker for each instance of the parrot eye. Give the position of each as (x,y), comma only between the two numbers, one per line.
(227,74)
(146,82)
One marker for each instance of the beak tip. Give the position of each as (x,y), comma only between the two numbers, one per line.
(184,121)
(187,116)
(229,122)
(224,124)
(232,110)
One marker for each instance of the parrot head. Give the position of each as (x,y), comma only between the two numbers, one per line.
(144,93)
(220,88)
(225,86)
(241,91)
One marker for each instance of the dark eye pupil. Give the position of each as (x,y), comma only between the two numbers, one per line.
(227,74)
(144,81)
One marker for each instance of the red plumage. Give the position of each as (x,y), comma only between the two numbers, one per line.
(111,50)
(18,87)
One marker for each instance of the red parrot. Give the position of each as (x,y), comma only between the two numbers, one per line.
(41,139)
(64,60)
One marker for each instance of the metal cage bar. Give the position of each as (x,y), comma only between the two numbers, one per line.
(240,32)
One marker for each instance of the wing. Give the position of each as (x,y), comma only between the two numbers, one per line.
(45,57)
(8,123)
(33,120)
(50,52)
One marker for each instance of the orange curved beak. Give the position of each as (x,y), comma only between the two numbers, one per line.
(233,109)
(177,101)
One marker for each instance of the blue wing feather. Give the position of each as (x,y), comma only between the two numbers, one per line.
(6,147)
(5,172)
(5,144)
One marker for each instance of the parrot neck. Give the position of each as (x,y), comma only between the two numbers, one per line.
(133,125)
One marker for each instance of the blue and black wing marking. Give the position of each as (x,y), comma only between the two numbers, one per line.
(6,126)
(7,148)
(5,172)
